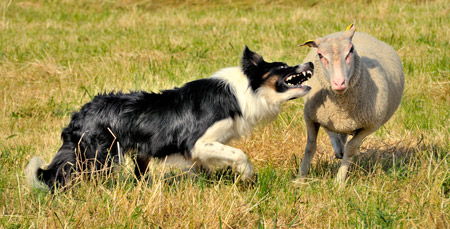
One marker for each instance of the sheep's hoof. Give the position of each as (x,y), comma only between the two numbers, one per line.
(303,181)
(340,184)
(299,181)
(340,179)
(339,155)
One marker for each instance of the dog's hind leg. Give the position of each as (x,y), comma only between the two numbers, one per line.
(141,165)
(169,165)
(209,152)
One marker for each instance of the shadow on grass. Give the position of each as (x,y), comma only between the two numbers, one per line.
(399,160)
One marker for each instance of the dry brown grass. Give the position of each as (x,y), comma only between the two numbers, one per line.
(56,55)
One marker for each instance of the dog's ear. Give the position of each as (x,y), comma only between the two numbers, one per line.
(250,58)
(254,67)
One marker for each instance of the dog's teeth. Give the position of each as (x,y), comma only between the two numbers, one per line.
(289,78)
(309,72)
(304,73)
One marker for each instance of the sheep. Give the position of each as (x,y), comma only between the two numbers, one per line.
(356,89)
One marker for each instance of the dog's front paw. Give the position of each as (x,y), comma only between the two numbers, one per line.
(246,171)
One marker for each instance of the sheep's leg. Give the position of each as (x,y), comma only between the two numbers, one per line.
(350,150)
(338,142)
(311,145)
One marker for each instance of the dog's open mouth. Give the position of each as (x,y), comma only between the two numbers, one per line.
(298,79)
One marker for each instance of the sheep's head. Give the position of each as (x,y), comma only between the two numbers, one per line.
(336,54)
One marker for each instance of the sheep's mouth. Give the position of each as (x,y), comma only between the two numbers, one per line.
(298,79)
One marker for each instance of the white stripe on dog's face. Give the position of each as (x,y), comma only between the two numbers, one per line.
(286,83)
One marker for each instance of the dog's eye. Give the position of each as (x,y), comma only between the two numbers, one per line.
(283,66)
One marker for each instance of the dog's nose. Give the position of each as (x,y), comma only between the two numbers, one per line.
(303,67)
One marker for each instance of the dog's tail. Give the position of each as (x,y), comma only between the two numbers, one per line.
(31,173)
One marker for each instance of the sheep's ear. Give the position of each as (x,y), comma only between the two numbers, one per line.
(309,43)
(350,30)
(350,26)
(251,58)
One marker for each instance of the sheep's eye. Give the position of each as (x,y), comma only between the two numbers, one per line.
(320,55)
(351,50)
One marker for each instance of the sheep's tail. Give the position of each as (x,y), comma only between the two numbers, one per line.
(31,173)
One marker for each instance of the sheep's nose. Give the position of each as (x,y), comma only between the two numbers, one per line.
(339,85)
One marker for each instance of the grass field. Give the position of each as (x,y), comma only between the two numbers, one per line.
(56,55)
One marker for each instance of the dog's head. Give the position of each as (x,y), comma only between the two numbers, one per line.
(281,81)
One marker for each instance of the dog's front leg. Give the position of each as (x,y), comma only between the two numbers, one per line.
(215,154)
(209,150)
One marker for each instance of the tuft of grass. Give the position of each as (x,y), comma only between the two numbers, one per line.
(56,55)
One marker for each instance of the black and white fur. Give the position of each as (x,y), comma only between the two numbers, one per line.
(191,123)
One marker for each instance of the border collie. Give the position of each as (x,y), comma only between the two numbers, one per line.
(192,122)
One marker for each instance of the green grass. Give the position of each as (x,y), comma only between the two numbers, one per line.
(56,55)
